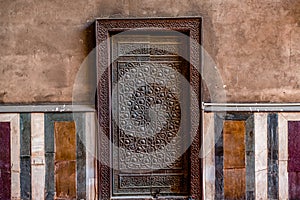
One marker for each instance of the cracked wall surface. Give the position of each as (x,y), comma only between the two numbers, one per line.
(254,44)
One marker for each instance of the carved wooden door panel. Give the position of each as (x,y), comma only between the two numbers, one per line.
(148,134)
(150,152)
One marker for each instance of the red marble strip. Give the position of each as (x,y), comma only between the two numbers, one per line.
(294,159)
(294,185)
(5,162)
(293,146)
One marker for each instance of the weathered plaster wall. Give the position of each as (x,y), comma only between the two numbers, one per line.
(255,44)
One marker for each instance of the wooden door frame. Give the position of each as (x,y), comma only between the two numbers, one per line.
(104,28)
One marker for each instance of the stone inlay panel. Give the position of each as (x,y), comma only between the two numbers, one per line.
(234,156)
(234,144)
(234,183)
(69,152)
(65,159)
(234,159)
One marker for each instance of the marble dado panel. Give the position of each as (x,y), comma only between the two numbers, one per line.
(31,152)
(28,154)
(271,155)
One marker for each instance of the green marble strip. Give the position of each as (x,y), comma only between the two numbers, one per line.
(250,158)
(273,184)
(80,155)
(25,154)
(219,158)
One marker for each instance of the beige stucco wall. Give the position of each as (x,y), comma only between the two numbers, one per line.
(254,43)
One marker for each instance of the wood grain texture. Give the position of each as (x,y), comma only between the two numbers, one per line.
(65,159)
(234,144)
(5,161)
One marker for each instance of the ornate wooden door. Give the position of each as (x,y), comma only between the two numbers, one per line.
(146,147)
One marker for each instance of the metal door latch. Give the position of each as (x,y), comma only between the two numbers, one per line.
(155,194)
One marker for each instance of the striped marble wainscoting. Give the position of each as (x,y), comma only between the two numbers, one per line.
(254,155)
(48,155)
(246,154)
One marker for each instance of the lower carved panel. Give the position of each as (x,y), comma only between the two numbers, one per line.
(172,182)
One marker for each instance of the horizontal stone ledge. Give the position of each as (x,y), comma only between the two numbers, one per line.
(44,108)
(251,107)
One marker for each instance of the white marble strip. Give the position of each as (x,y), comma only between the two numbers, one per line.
(208,154)
(251,107)
(14,120)
(261,155)
(37,156)
(91,183)
(46,108)
(283,119)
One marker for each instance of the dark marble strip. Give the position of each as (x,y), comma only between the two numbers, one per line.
(25,153)
(79,118)
(219,158)
(273,186)
(49,176)
(250,159)
(81,155)
(237,116)
(5,162)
